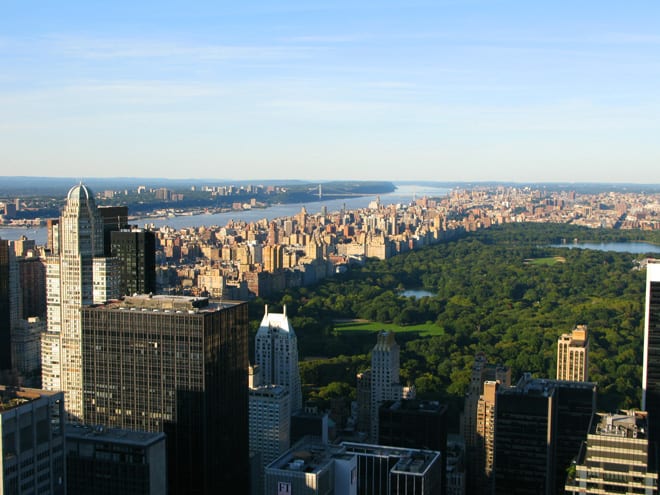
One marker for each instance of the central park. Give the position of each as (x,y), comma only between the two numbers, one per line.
(504,292)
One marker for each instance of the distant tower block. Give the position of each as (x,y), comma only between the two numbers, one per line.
(573,355)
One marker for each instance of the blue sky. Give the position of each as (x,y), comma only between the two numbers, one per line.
(432,90)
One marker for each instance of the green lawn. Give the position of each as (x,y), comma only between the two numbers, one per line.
(373,326)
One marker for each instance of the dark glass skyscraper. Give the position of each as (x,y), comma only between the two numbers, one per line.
(177,365)
(136,251)
(114,218)
(651,374)
(415,424)
(5,308)
(539,428)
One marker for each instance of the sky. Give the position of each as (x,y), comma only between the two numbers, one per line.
(462,90)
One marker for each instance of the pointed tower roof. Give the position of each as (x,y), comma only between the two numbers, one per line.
(279,321)
(80,192)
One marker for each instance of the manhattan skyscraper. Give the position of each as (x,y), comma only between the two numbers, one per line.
(276,354)
(78,276)
(179,365)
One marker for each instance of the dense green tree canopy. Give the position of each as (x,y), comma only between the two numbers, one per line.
(501,291)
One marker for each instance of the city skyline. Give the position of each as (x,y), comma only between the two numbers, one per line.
(465,91)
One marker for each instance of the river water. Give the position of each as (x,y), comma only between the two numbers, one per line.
(404,194)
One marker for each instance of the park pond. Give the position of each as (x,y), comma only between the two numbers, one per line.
(417,293)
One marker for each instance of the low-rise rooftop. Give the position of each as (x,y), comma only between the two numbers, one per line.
(625,424)
(113,435)
(308,457)
(11,397)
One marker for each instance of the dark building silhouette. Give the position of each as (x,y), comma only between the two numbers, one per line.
(539,428)
(114,218)
(32,271)
(651,370)
(32,441)
(53,233)
(476,422)
(304,423)
(177,365)
(108,461)
(5,306)
(417,424)
(136,251)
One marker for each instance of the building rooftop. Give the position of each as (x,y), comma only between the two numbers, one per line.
(543,386)
(12,397)
(417,462)
(275,320)
(625,424)
(167,304)
(308,457)
(578,336)
(410,460)
(269,390)
(113,435)
(428,406)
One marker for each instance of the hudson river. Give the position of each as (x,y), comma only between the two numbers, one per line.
(403,194)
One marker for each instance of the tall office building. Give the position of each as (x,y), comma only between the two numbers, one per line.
(178,365)
(455,465)
(6,256)
(485,440)
(32,274)
(32,441)
(385,383)
(53,236)
(417,424)
(270,418)
(363,399)
(22,310)
(573,355)
(614,458)
(273,257)
(482,371)
(114,218)
(276,354)
(651,370)
(270,421)
(539,427)
(26,349)
(136,253)
(74,278)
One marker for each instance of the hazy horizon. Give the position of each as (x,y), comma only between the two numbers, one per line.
(207,180)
